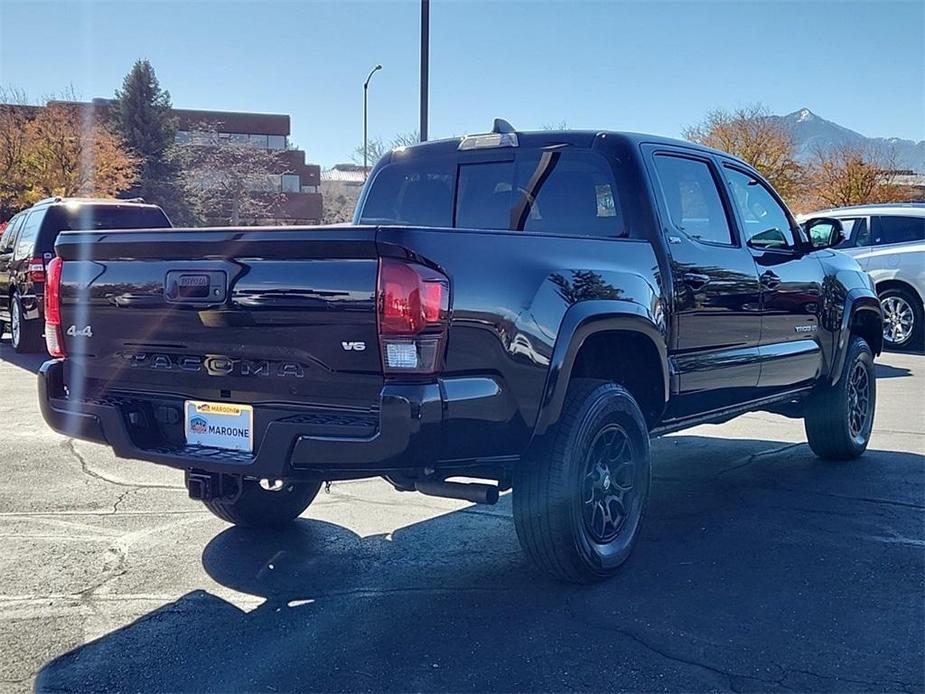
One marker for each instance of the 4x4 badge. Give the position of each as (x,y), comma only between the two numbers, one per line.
(83,332)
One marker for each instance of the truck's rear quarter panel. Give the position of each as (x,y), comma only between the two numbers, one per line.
(510,292)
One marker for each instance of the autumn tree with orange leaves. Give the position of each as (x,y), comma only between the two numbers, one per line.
(752,135)
(58,149)
(853,175)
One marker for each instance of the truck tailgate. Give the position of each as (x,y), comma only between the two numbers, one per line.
(254,316)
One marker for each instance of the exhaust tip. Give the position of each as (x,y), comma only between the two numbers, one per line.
(475,492)
(271,485)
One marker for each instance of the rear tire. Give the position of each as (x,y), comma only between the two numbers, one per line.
(839,419)
(580,497)
(256,507)
(25,335)
(903,319)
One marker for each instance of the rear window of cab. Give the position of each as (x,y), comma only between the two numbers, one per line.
(91,217)
(557,191)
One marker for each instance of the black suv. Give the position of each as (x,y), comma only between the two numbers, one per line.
(29,243)
(525,309)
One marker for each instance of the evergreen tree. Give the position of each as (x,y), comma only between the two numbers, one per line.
(142,115)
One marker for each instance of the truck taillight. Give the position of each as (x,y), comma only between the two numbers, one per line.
(37,270)
(413,305)
(54,337)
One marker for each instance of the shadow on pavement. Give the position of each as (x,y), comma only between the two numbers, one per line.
(29,362)
(760,568)
(885,371)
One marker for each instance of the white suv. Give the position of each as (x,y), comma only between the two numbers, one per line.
(889,242)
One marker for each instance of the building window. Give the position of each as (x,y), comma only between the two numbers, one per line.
(257,141)
(276,141)
(263,183)
(199,137)
(291,183)
(309,189)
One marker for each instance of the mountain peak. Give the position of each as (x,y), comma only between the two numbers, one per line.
(811,132)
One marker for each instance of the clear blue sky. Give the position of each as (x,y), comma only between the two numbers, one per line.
(653,66)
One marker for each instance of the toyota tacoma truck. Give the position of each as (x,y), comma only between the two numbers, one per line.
(508,310)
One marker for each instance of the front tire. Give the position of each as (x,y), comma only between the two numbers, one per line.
(256,507)
(580,498)
(839,419)
(903,320)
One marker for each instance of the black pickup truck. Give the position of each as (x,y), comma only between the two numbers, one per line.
(508,311)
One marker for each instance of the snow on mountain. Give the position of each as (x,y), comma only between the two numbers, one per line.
(811,131)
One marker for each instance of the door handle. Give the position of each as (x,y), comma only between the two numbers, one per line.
(769,280)
(695,281)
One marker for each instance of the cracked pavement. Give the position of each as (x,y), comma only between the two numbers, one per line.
(759,569)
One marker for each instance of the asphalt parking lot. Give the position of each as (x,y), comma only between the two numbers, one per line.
(759,569)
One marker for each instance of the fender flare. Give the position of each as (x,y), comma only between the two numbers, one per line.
(581,321)
(856,301)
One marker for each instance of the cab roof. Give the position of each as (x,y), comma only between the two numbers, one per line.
(537,139)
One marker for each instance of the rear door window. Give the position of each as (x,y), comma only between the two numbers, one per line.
(896,229)
(692,198)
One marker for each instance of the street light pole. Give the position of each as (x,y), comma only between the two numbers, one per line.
(365,137)
(425,64)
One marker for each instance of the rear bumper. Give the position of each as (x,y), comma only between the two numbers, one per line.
(406,434)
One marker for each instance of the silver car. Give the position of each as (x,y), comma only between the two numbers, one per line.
(889,242)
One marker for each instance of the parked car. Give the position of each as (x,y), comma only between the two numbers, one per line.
(888,241)
(28,246)
(525,309)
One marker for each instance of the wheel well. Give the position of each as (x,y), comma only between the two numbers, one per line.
(629,359)
(867,324)
(897,284)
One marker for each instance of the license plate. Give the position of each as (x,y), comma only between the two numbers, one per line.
(219,425)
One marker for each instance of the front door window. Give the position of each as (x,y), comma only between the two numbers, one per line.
(766,222)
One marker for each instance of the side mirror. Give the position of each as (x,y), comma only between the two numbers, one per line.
(772,238)
(824,232)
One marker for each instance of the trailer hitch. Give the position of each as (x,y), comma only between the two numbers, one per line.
(205,486)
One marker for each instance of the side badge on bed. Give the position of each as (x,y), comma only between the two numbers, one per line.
(73,331)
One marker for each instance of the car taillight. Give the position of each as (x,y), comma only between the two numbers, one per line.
(413,304)
(54,337)
(37,270)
